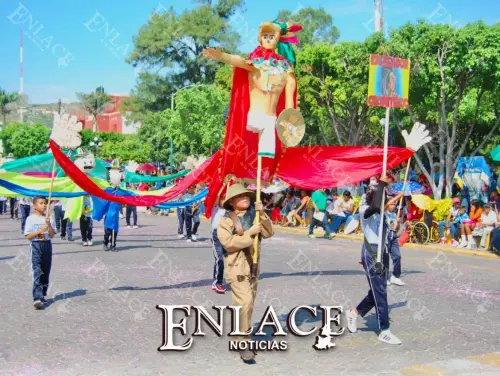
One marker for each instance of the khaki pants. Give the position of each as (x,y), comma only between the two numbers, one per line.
(244,291)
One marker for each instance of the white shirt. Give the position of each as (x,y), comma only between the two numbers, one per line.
(489,219)
(217,214)
(337,208)
(36,222)
(370,226)
(454,212)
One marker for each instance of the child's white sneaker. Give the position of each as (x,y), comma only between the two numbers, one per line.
(351,321)
(387,337)
(397,281)
(90,243)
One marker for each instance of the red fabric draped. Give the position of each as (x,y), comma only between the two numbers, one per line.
(314,167)
(202,174)
(303,167)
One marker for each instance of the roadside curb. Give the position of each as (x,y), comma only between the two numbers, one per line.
(427,248)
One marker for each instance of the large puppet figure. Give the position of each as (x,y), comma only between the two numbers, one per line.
(263,86)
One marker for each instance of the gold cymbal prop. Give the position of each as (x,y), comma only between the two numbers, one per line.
(291,127)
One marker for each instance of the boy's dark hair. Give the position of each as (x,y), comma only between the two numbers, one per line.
(38,198)
(463,208)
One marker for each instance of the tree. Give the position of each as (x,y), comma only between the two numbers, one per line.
(317,25)
(6,136)
(95,103)
(28,140)
(196,126)
(152,93)
(169,46)
(333,86)
(454,90)
(8,103)
(129,149)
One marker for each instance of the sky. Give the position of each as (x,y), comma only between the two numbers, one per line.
(75,46)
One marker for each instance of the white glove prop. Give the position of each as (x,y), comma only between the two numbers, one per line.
(418,137)
(66,131)
(189,164)
(200,161)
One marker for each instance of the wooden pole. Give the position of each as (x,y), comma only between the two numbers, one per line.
(51,187)
(257,218)
(404,188)
(378,263)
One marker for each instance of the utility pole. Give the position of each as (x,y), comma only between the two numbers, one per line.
(21,77)
(59,109)
(379,16)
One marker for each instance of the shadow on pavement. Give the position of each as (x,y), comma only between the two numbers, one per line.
(208,282)
(64,296)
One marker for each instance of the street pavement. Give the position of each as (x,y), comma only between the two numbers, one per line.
(101,317)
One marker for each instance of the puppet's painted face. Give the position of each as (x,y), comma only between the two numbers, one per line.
(115,177)
(269,36)
(269,40)
(86,162)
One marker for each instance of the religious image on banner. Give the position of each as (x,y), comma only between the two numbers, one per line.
(389,81)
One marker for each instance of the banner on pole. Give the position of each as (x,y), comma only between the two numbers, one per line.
(389,81)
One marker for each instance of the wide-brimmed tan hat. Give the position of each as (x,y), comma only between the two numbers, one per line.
(236,190)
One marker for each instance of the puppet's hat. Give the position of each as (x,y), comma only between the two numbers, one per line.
(80,152)
(115,164)
(236,190)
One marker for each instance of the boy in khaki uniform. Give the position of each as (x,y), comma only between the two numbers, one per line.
(236,233)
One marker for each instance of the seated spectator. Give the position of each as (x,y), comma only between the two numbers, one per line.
(343,209)
(487,224)
(495,200)
(450,221)
(414,212)
(464,223)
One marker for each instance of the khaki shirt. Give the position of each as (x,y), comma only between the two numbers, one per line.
(240,248)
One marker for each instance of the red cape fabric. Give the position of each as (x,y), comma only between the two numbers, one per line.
(311,167)
(203,173)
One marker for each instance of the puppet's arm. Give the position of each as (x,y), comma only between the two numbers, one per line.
(291,86)
(234,60)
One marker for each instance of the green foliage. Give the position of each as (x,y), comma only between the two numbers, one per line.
(129,148)
(171,44)
(6,136)
(25,140)
(224,77)
(333,86)
(196,126)
(317,25)
(152,93)
(7,103)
